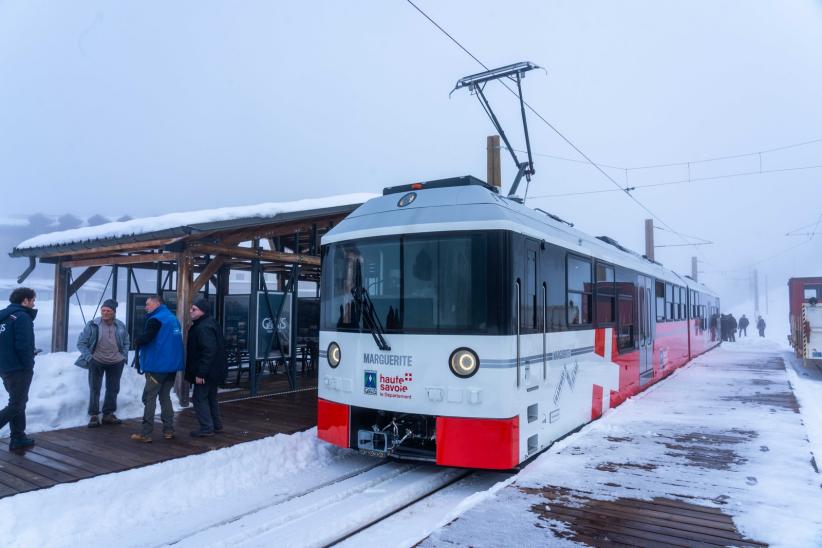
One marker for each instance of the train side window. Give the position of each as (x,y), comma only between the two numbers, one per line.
(669,302)
(605,297)
(683,304)
(580,294)
(812,292)
(625,336)
(530,318)
(660,301)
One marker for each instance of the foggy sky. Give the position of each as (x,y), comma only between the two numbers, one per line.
(144,108)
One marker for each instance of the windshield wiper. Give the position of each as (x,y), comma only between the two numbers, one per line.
(370,317)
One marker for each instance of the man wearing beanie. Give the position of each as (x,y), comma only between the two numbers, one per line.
(103,347)
(206,366)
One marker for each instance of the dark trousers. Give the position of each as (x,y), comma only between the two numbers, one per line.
(17,384)
(206,407)
(112,373)
(743,331)
(158,384)
(761,332)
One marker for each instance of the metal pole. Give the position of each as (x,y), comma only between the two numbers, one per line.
(253,316)
(694,269)
(292,344)
(756,291)
(115,275)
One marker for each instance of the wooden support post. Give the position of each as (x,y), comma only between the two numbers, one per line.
(649,238)
(184,295)
(59,333)
(494,163)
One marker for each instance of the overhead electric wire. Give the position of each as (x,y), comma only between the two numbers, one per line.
(684,163)
(550,125)
(682,181)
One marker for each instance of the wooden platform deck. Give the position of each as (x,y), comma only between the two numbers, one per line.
(675,468)
(72,454)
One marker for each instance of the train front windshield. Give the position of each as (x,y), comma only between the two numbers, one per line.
(431,283)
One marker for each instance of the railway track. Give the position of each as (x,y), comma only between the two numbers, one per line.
(333,511)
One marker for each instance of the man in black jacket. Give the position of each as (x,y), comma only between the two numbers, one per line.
(17,362)
(206,366)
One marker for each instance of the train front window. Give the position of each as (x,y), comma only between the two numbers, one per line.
(421,283)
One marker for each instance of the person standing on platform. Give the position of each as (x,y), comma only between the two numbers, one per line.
(160,350)
(760,325)
(743,326)
(17,362)
(103,347)
(732,325)
(206,367)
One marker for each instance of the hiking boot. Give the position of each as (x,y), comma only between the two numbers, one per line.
(111,418)
(93,421)
(141,438)
(168,435)
(23,442)
(201,434)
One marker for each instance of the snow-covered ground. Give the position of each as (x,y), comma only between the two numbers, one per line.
(256,492)
(173,500)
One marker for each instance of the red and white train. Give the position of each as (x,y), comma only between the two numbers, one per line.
(805,297)
(460,327)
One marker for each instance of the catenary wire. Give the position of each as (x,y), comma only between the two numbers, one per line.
(553,128)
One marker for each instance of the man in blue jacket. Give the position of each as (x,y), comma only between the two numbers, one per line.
(17,362)
(160,349)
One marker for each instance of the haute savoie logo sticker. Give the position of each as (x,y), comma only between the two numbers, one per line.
(370,382)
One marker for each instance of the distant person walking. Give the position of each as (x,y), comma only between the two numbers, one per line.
(743,326)
(103,347)
(160,350)
(206,367)
(17,362)
(760,325)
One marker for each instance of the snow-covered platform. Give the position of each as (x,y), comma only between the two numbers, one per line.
(71,454)
(718,454)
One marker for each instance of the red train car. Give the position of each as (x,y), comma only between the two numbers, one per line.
(805,301)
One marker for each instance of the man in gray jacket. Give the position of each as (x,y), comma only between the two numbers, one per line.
(103,347)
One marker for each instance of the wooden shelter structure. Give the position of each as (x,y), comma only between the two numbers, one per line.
(189,257)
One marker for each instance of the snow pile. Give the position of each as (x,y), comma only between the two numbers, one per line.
(174,499)
(807,385)
(59,394)
(768,487)
(175,220)
(42,324)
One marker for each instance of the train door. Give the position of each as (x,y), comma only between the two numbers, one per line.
(645,288)
(531,316)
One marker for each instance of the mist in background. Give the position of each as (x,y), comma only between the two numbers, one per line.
(148,108)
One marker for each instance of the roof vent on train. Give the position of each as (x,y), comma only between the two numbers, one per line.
(616,244)
(466,180)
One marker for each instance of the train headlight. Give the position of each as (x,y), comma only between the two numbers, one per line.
(334,354)
(463,362)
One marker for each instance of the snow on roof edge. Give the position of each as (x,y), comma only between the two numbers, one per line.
(145,225)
